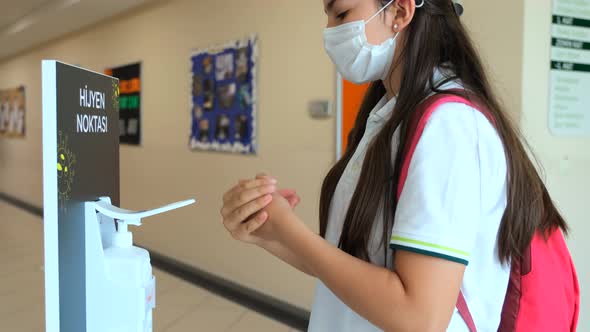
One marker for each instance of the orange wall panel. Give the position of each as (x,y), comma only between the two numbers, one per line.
(352,97)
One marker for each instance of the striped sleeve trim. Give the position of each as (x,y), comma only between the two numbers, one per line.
(430,249)
(429,253)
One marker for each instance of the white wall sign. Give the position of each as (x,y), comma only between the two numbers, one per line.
(569,105)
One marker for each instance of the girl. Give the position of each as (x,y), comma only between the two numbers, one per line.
(471,201)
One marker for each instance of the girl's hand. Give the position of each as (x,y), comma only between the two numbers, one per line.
(242,208)
(243,204)
(280,213)
(289,194)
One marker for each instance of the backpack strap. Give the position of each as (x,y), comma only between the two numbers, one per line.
(414,131)
(419,119)
(465,313)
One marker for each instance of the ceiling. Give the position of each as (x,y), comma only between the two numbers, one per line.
(27,23)
(13,10)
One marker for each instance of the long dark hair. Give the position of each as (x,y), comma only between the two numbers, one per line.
(436,38)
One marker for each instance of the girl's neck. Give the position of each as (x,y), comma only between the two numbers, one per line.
(392,83)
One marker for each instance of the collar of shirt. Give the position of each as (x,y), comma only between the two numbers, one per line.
(384,108)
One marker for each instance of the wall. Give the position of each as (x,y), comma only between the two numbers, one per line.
(496,30)
(293,70)
(566,160)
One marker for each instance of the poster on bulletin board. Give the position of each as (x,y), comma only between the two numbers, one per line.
(12,112)
(349,97)
(129,102)
(223,97)
(569,105)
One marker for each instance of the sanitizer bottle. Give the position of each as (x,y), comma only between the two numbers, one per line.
(120,286)
(129,267)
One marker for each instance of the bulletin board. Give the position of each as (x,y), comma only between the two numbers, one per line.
(12,112)
(129,102)
(349,98)
(223,97)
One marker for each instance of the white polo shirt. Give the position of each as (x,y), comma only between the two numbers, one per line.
(451,207)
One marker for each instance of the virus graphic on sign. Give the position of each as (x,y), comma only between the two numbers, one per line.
(66,161)
(115,95)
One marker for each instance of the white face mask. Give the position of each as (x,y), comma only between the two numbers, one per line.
(356,59)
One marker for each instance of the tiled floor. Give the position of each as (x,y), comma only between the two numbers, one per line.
(181,307)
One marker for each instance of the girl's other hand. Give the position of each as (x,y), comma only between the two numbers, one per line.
(279,213)
(291,196)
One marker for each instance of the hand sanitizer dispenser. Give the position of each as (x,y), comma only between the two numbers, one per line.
(120,287)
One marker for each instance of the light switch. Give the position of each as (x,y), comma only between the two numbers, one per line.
(320,109)
(564,165)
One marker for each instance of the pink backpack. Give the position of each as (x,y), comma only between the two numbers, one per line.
(543,292)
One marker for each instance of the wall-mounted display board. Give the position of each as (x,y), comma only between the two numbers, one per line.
(223,97)
(129,102)
(569,106)
(12,112)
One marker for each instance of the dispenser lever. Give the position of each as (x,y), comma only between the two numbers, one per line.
(134,217)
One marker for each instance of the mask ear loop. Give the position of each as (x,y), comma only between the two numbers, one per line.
(387,5)
(380,10)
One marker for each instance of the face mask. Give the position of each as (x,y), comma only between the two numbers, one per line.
(356,59)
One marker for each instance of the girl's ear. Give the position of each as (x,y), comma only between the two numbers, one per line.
(403,13)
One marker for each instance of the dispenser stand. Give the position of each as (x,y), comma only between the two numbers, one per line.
(80,195)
